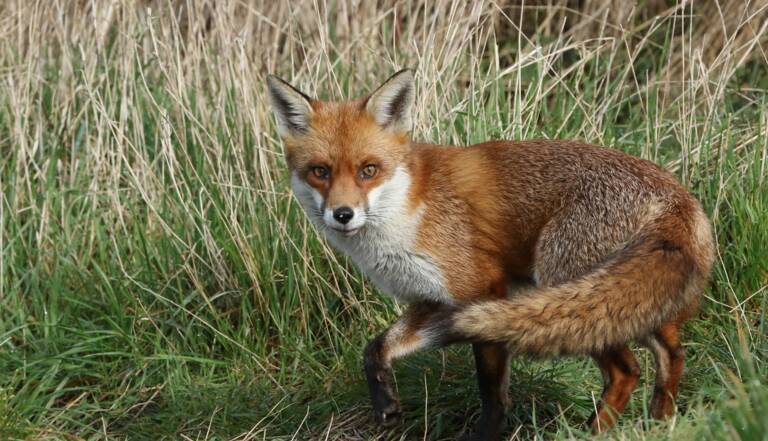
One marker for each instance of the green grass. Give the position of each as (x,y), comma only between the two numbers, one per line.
(157,280)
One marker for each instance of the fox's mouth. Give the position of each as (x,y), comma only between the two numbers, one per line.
(348,233)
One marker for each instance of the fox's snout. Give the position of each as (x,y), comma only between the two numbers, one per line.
(345,218)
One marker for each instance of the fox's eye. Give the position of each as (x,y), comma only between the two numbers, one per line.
(321,172)
(368,171)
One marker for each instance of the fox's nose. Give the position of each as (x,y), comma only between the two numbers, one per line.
(343,214)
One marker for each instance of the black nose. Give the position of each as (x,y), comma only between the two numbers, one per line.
(343,214)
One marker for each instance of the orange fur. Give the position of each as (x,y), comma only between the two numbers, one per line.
(345,136)
(620,373)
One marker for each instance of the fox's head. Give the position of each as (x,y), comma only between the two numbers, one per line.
(348,159)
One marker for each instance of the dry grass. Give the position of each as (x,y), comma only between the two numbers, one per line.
(156,279)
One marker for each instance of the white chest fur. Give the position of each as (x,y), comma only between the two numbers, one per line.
(384,247)
(385,254)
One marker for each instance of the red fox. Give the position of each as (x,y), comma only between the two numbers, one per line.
(612,248)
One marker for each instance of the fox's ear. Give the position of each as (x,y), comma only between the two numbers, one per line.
(292,108)
(390,104)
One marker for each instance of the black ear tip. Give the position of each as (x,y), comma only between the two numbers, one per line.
(273,80)
(405,71)
(279,85)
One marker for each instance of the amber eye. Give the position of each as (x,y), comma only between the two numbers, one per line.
(368,171)
(321,172)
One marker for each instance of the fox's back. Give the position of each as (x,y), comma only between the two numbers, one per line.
(487,205)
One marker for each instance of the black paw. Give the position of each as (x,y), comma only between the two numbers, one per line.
(387,416)
(484,430)
(474,436)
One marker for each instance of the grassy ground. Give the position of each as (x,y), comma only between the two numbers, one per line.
(157,281)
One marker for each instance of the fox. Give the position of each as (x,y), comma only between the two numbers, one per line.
(540,248)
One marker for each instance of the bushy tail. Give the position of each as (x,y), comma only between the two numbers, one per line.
(652,280)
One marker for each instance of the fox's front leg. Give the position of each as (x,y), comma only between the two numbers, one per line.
(492,362)
(407,335)
(386,406)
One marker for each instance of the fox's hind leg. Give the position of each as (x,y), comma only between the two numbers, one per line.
(405,336)
(670,360)
(620,374)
